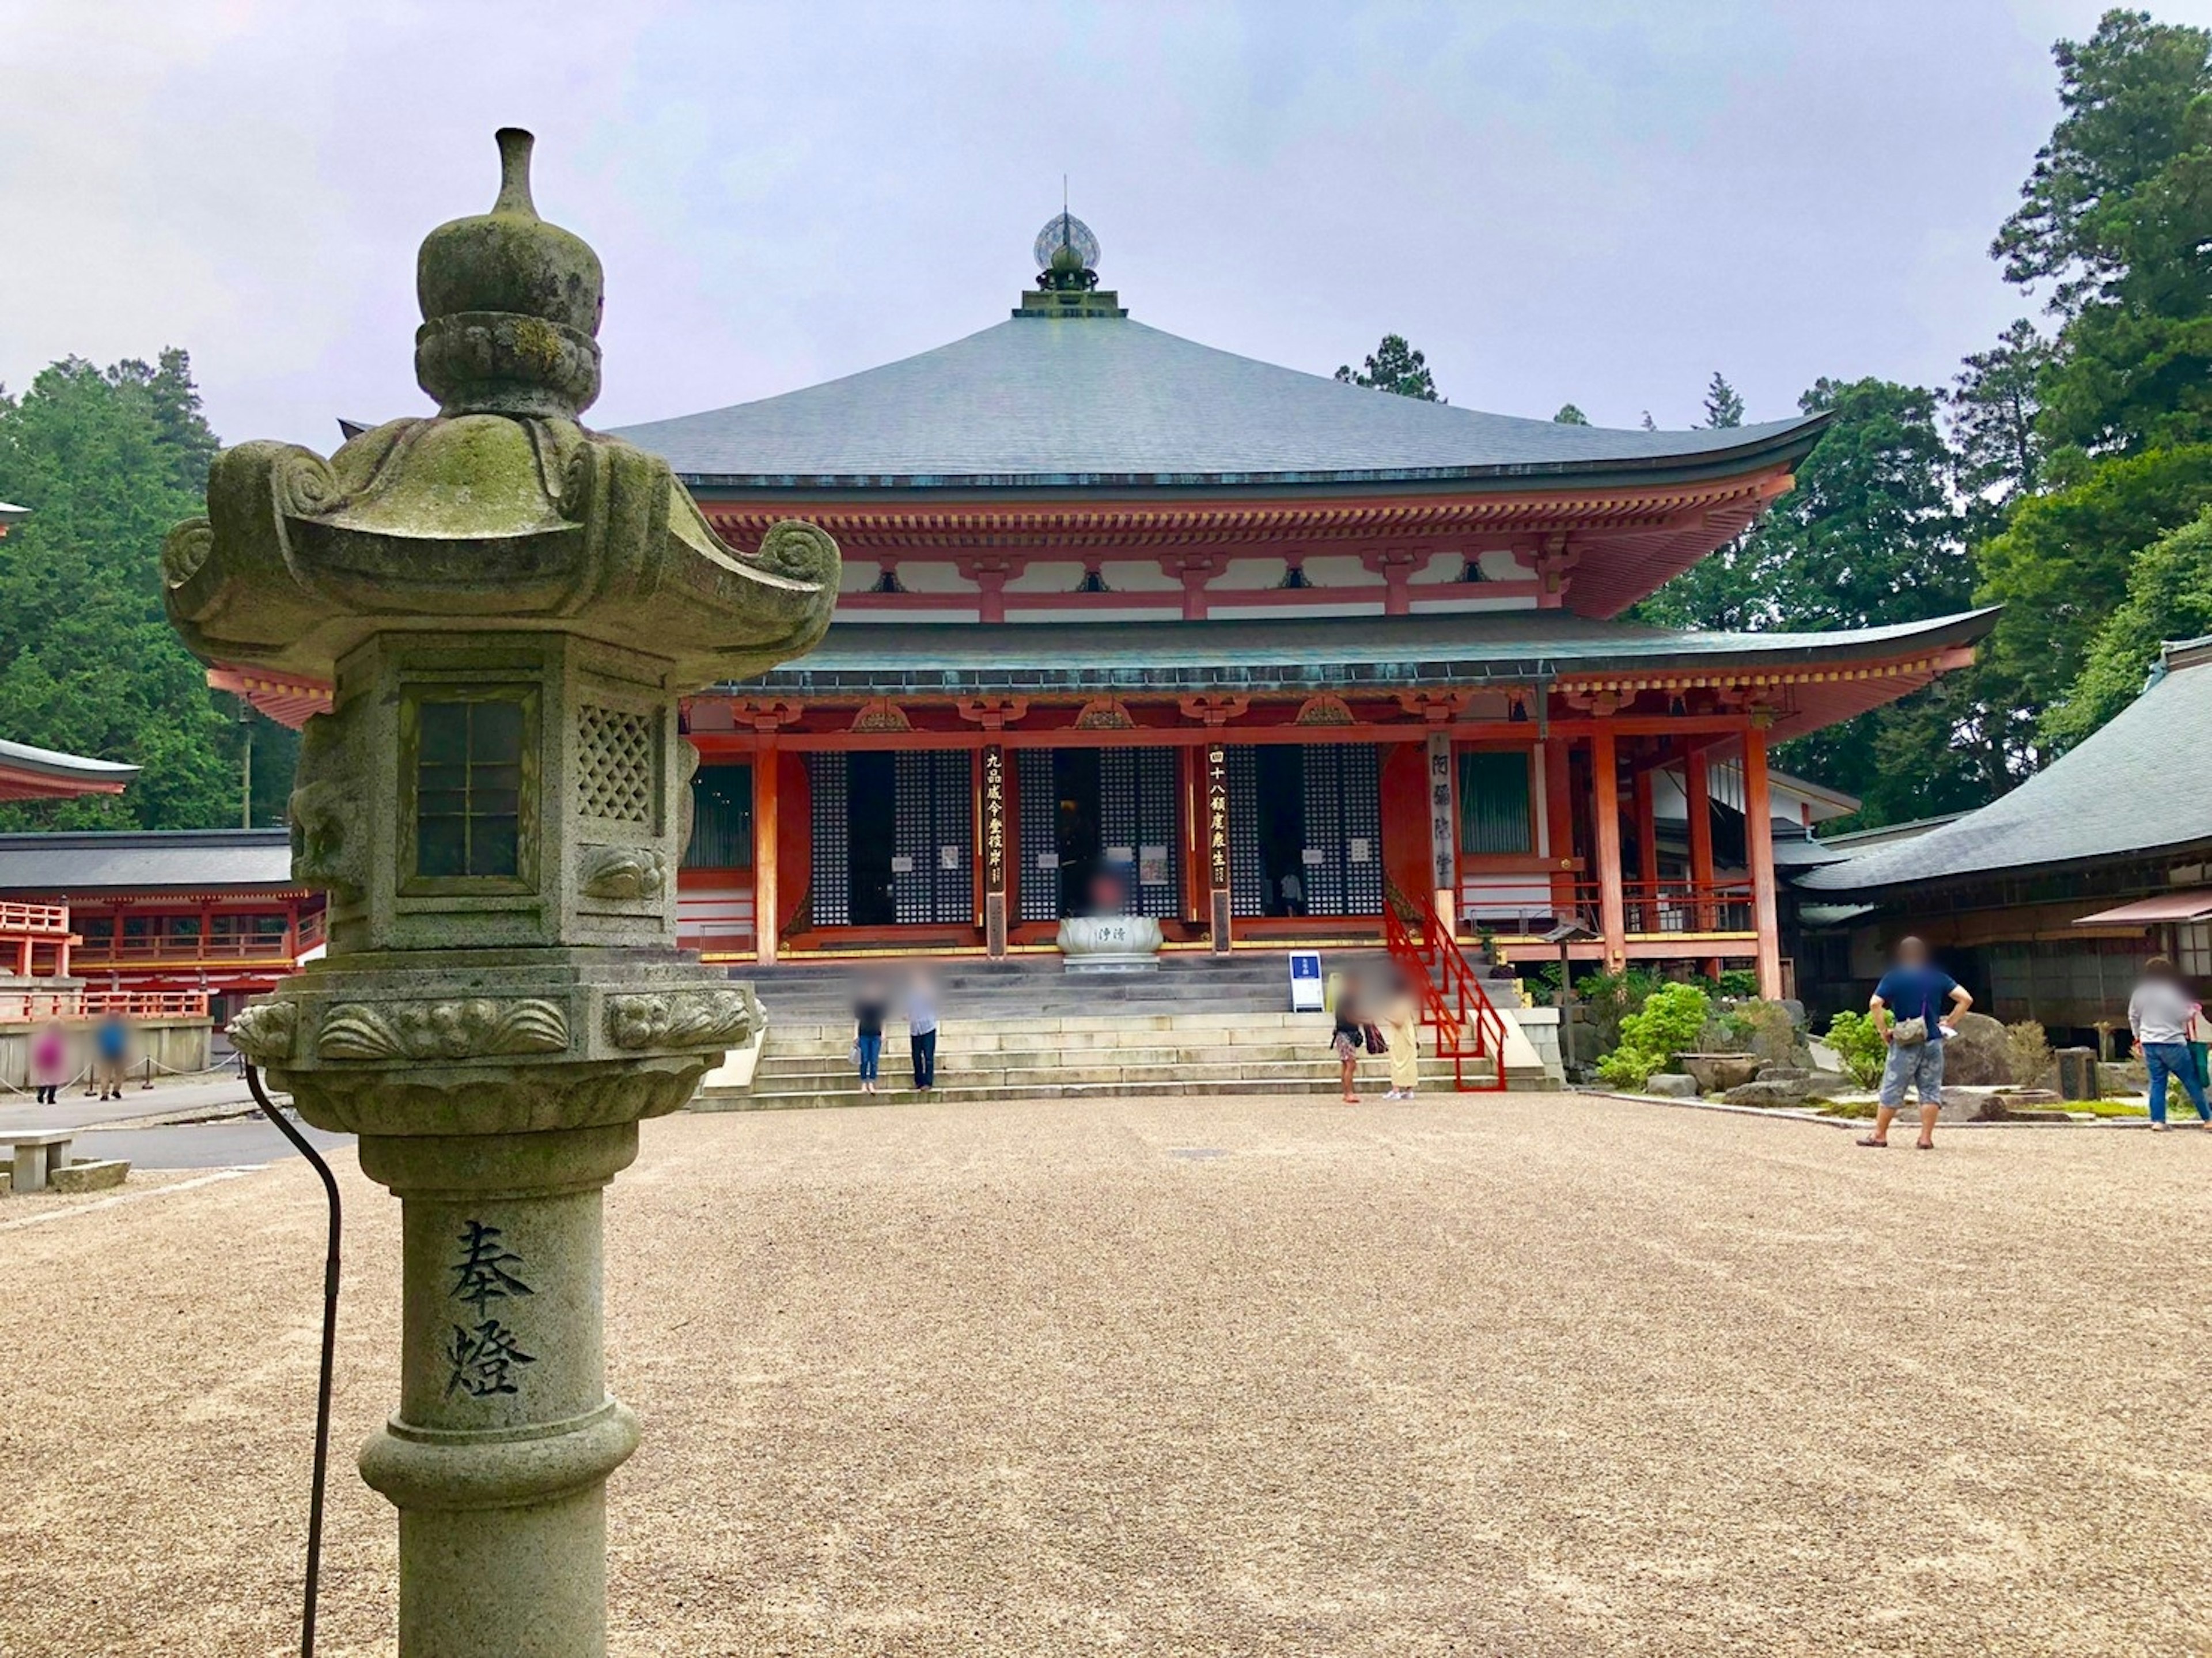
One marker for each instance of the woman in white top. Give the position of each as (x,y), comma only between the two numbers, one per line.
(2158,1013)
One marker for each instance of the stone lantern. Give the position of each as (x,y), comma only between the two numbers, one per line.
(507,606)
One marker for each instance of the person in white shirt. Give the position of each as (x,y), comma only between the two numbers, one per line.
(2158,1013)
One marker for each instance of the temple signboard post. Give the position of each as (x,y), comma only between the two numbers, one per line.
(509,606)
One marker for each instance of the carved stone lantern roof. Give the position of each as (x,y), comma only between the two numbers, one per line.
(500,510)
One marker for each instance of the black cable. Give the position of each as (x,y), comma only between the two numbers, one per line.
(330,1342)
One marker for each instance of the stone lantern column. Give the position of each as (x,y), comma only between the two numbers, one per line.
(509,606)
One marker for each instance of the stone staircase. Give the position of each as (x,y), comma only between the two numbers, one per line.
(1026,1029)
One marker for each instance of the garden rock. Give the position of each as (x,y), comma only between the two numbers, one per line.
(1981,1055)
(1784,1073)
(1672,1085)
(1717,1071)
(2115,1078)
(1769,1093)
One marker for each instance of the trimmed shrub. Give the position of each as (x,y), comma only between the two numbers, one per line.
(1859,1045)
(1668,1024)
(2029,1055)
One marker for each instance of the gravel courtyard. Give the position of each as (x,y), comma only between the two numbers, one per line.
(1530,1375)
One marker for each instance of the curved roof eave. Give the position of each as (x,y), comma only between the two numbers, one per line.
(1777,447)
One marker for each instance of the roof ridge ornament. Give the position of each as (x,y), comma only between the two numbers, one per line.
(1067,252)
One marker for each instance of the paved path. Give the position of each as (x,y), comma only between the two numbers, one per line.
(1526,1376)
(235,1140)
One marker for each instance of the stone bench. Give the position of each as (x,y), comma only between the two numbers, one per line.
(36,1157)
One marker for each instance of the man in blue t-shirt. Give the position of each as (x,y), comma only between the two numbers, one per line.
(1919,996)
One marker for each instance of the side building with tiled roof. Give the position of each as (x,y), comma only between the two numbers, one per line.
(2045,903)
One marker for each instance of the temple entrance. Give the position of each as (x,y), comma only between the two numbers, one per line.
(1076,837)
(1306,829)
(892,836)
(1100,828)
(872,813)
(1280,804)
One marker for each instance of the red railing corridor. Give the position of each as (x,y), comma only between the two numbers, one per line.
(1453,1002)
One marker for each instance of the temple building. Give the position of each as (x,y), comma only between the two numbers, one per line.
(1260,653)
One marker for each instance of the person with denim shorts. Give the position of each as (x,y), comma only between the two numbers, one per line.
(1919,996)
(2159,1013)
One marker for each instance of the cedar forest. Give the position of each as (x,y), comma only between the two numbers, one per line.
(2065,474)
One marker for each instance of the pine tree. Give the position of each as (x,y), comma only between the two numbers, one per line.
(1571,415)
(1723,406)
(1395,367)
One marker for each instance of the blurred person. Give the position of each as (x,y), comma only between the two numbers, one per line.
(1348,1038)
(2158,1013)
(870,1008)
(110,1049)
(921,1027)
(1914,1007)
(49,1061)
(1402,1037)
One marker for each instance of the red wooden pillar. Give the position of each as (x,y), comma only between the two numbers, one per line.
(1605,812)
(1696,790)
(765,763)
(1759,844)
(1642,790)
(1558,820)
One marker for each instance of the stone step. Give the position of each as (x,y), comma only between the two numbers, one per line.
(952,1093)
(1167,1076)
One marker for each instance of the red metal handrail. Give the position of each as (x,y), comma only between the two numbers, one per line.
(1453,1001)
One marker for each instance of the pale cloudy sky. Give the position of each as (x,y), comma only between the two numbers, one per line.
(1594,200)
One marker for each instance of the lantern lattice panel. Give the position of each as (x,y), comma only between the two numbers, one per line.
(614,764)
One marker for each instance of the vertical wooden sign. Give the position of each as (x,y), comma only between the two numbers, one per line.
(1217,842)
(1443,829)
(994,849)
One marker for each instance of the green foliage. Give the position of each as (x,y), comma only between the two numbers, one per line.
(2169,596)
(1858,1044)
(1570,416)
(1395,365)
(107,461)
(2063,563)
(1994,406)
(1723,408)
(1667,1025)
(1873,533)
(1735,984)
(1611,997)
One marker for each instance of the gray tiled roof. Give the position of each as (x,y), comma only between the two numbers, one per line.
(88,861)
(1039,401)
(2135,787)
(884,658)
